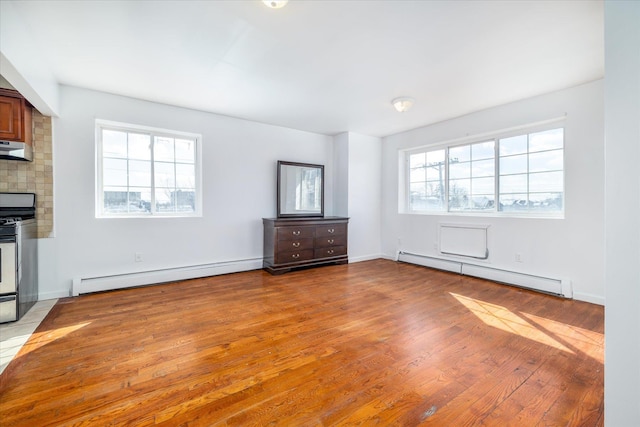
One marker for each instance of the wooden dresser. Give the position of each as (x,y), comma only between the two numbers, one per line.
(303,242)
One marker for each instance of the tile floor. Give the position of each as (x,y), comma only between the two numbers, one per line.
(15,334)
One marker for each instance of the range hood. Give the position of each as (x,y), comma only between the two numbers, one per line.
(14,150)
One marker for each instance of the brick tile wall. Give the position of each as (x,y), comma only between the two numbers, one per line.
(34,177)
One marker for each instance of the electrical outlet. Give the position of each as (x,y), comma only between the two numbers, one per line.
(518,257)
(138,257)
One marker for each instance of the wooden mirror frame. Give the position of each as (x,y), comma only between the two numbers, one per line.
(283,211)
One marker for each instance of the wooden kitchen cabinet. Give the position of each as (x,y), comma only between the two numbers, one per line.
(304,242)
(15,117)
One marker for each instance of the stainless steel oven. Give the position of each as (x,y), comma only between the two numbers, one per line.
(18,255)
(8,270)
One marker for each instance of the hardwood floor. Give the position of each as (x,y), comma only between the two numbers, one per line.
(375,342)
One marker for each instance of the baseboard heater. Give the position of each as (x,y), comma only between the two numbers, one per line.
(560,287)
(88,285)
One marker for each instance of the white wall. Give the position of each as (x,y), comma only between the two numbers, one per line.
(570,248)
(239,188)
(22,63)
(622,218)
(341,174)
(365,197)
(357,161)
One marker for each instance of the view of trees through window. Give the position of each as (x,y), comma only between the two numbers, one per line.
(522,173)
(143,173)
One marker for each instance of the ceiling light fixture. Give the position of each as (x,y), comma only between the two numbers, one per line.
(275,4)
(403,104)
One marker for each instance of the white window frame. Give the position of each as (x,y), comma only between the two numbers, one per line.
(101,125)
(405,180)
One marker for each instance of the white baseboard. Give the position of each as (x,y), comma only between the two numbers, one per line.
(364,258)
(557,286)
(42,296)
(593,299)
(438,263)
(83,285)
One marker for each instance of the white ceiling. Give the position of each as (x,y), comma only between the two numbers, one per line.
(322,66)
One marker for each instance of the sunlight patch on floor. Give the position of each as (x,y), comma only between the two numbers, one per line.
(589,342)
(41,339)
(503,319)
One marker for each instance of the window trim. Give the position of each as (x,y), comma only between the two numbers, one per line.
(101,124)
(404,185)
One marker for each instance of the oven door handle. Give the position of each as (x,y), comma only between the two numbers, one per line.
(7,298)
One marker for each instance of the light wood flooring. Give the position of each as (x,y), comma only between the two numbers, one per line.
(369,343)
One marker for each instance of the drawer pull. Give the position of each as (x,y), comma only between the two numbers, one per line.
(296,232)
(330,251)
(331,230)
(295,256)
(296,244)
(330,241)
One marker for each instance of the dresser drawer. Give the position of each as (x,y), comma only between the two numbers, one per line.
(285,257)
(294,233)
(295,244)
(329,241)
(330,252)
(331,230)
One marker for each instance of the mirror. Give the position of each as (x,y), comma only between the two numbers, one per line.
(300,189)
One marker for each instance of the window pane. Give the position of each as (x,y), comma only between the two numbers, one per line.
(483,168)
(436,173)
(436,165)
(460,154)
(164,175)
(483,185)
(139,173)
(114,143)
(417,196)
(459,190)
(547,202)
(513,164)
(141,202)
(459,170)
(460,186)
(547,140)
(483,202)
(185,151)
(417,175)
(513,145)
(163,149)
(165,200)
(114,172)
(185,176)
(546,161)
(514,202)
(483,150)
(139,146)
(513,184)
(115,199)
(185,201)
(435,158)
(435,189)
(417,160)
(546,182)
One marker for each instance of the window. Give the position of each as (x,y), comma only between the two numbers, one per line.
(521,173)
(531,172)
(427,177)
(472,176)
(143,171)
